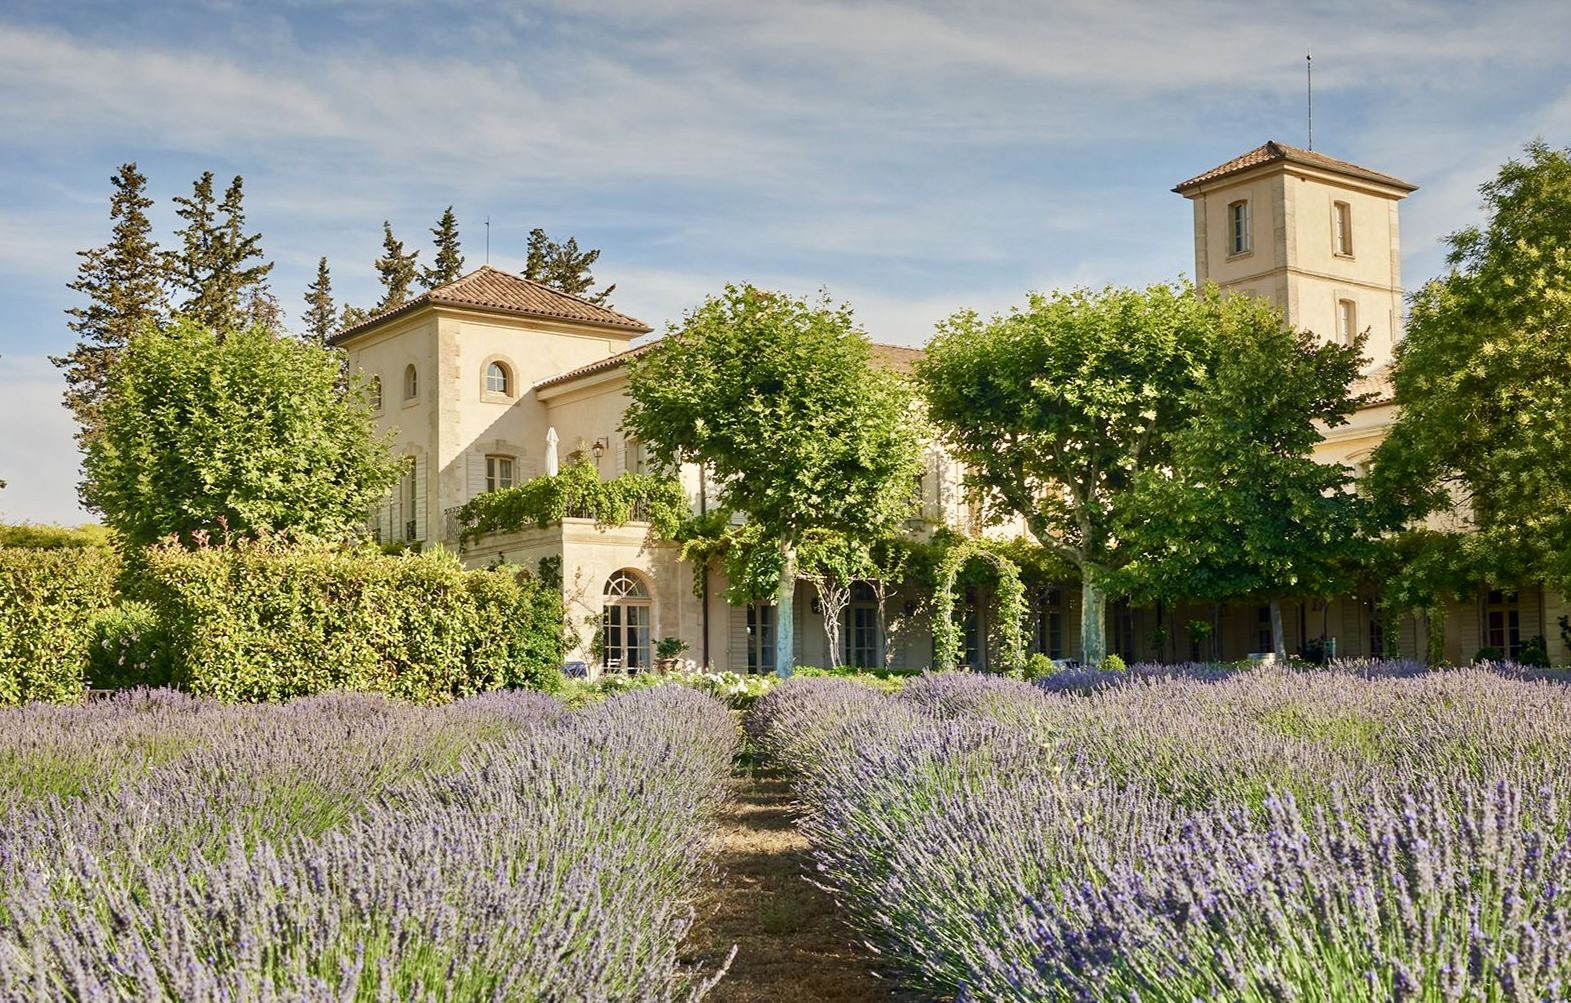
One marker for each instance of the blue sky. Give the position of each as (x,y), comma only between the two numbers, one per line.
(910,158)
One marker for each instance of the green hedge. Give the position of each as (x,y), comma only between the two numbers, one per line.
(49,600)
(265,621)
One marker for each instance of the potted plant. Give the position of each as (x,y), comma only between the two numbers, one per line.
(668,653)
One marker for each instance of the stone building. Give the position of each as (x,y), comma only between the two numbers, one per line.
(493,379)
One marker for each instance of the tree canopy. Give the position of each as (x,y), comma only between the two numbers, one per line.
(781,400)
(219,266)
(397,270)
(239,434)
(449,263)
(1057,408)
(1241,509)
(1483,378)
(123,283)
(320,317)
(563,266)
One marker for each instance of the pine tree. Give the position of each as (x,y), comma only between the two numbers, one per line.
(563,266)
(397,269)
(222,291)
(123,283)
(449,259)
(320,319)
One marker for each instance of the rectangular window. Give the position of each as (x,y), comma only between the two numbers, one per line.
(409,497)
(1503,623)
(1346,321)
(975,654)
(1238,227)
(861,630)
(760,638)
(1263,638)
(498,472)
(636,458)
(1049,632)
(1342,227)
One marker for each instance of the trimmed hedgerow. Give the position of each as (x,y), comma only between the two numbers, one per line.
(48,599)
(267,620)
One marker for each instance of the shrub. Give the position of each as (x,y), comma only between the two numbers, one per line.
(48,599)
(1038,666)
(127,647)
(1488,654)
(1112,663)
(1535,652)
(268,620)
(42,536)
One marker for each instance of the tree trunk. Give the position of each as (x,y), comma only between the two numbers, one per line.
(1278,635)
(785,612)
(1093,619)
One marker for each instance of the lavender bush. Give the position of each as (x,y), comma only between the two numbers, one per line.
(350,847)
(1362,833)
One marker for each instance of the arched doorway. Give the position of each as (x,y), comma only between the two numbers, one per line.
(627,617)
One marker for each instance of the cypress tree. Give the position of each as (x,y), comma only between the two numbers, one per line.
(449,259)
(397,270)
(319,316)
(123,282)
(563,266)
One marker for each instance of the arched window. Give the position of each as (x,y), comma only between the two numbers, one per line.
(373,392)
(411,383)
(627,619)
(497,379)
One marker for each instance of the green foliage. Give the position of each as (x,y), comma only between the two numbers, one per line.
(1011,606)
(1057,408)
(42,536)
(396,269)
(1241,508)
(449,257)
(1535,651)
(224,291)
(48,600)
(239,435)
(1488,654)
(320,317)
(128,647)
(123,283)
(1038,666)
(577,491)
(1483,376)
(263,620)
(669,647)
(779,398)
(1113,663)
(563,266)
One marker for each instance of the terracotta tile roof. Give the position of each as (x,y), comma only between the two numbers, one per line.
(897,357)
(496,291)
(1274,151)
(609,362)
(1377,382)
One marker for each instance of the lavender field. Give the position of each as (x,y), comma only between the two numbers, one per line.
(154,846)
(1375,833)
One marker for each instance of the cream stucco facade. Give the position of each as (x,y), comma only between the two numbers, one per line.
(480,377)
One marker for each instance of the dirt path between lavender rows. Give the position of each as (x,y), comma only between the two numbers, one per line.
(791,943)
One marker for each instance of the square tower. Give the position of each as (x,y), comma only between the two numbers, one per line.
(1315,235)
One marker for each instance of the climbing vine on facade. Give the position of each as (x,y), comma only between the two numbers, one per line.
(1011,599)
(578,492)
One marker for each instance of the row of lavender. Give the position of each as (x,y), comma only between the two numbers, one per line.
(1347,835)
(350,847)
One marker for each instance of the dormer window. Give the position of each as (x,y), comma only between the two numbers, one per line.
(1342,228)
(1238,227)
